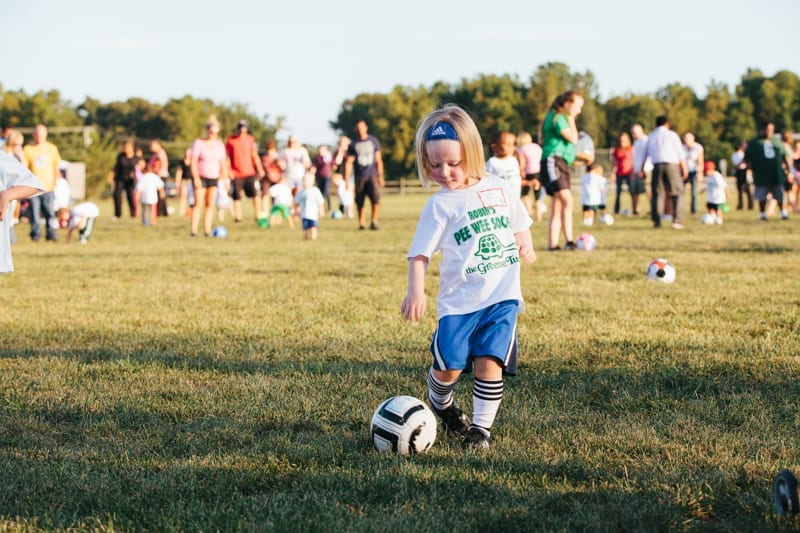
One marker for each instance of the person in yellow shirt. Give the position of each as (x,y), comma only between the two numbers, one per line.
(43,161)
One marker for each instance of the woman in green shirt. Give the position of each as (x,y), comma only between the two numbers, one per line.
(559,135)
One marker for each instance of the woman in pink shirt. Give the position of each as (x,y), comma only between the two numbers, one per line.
(208,166)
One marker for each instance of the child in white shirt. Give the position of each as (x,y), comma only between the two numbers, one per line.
(150,187)
(311,204)
(16,183)
(593,187)
(345,195)
(716,192)
(504,163)
(281,203)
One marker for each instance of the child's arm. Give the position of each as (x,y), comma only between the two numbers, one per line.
(16,192)
(413,306)
(525,244)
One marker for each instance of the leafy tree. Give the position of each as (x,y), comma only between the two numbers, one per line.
(680,104)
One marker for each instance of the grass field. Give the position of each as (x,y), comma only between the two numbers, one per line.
(153,381)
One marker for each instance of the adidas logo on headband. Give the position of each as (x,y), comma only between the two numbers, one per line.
(440,131)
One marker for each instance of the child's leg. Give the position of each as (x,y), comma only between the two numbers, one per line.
(487,392)
(146,212)
(86,232)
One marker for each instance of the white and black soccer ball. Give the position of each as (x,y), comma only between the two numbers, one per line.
(586,242)
(403,425)
(660,270)
(607,219)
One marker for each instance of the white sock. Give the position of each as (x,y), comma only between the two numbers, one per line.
(486,398)
(440,393)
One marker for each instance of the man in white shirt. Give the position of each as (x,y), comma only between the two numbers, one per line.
(665,150)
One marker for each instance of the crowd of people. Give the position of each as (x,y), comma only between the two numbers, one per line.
(216,174)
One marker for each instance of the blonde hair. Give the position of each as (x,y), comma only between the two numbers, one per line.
(13,136)
(472,159)
(524,138)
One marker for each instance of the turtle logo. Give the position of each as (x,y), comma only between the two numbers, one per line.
(489,246)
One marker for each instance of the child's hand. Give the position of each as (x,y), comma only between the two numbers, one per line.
(527,254)
(413,306)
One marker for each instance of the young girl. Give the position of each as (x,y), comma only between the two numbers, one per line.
(482,229)
(559,135)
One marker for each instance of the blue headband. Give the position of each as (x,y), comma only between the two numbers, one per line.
(441,131)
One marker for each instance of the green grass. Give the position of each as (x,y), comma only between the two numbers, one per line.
(151,381)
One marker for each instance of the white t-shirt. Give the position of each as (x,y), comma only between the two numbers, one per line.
(12,174)
(344,194)
(297,162)
(148,186)
(61,194)
(716,187)
(281,194)
(592,188)
(506,168)
(474,229)
(310,201)
(79,211)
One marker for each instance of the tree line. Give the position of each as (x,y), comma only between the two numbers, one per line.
(720,120)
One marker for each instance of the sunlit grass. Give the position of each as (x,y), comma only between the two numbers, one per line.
(150,380)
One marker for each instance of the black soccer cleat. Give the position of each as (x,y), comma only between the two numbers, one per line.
(453,419)
(476,439)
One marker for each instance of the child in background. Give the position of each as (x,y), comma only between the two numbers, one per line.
(479,292)
(16,183)
(593,185)
(504,163)
(150,187)
(61,190)
(311,204)
(716,192)
(282,200)
(345,195)
(81,217)
(224,200)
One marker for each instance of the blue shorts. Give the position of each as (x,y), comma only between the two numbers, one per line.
(490,332)
(310,223)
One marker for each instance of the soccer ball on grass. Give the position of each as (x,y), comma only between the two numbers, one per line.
(585,242)
(403,425)
(660,270)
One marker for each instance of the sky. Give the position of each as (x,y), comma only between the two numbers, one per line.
(302,59)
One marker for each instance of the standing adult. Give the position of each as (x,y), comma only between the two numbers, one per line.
(664,148)
(245,167)
(365,161)
(740,171)
(695,162)
(208,166)
(123,179)
(622,171)
(642,165)
(295,162)
(323,165)
(529,155)
(559,135)
(765,156)
(43,161)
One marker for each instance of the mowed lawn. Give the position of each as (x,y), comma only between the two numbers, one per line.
(153,381)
